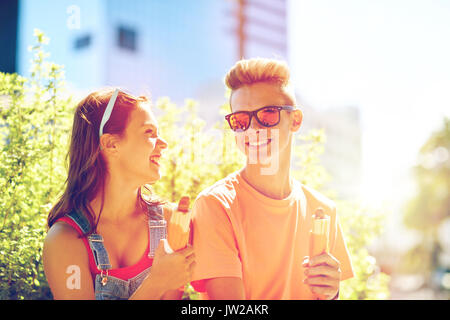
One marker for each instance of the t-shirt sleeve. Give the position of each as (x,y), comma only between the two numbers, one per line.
(339,251)
(214,242)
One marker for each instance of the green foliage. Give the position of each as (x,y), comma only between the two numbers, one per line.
(197,156)
(34,127)
(307,167)
(361,225)
(430,205)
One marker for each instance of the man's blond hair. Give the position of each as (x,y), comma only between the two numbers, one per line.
(249,71)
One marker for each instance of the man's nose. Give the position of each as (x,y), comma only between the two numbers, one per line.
(256,131)
(255,125)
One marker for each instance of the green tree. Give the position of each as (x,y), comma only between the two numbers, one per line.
(361,225)
(429,207)
(197,156)
(34,127)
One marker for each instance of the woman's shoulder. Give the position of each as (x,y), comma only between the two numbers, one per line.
(65,258)
(62,237)
(62,230)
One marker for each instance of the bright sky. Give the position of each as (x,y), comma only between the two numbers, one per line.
(391,58)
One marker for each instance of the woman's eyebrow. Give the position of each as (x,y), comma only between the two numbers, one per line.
(150,126)
(145,125)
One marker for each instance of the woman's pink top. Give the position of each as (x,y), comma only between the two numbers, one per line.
(124,273)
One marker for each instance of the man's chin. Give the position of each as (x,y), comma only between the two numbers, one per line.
(153,178)
(261,160)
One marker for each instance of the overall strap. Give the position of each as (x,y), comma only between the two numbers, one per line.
(81,221)
(155,212)
(157,227)
(95,240)
(101,257)
(157,231)
(100,254)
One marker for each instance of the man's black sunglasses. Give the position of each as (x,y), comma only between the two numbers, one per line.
(268,116)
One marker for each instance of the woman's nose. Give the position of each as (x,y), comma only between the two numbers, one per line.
(162,143)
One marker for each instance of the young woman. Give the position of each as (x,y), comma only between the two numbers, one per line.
(98,242)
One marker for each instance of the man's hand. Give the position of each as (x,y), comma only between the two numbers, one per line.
(323,275)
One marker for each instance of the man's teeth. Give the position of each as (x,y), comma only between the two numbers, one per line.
(259,143)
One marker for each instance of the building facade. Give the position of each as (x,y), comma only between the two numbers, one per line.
(9,16)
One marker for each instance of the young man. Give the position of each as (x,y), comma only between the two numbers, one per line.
(252,228)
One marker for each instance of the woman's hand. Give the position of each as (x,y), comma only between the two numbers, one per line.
(323,275)
(172,269)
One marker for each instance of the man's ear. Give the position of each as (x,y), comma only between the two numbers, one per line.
(297,118)
(108,143)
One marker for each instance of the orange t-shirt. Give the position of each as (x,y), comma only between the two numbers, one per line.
(239,232)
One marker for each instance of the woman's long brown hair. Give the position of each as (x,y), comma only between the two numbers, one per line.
(87,168)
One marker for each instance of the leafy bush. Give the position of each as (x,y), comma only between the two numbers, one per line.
(361,226)
(428,210)
(34,123)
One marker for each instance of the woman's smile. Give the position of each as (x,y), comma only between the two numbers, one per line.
(155,159)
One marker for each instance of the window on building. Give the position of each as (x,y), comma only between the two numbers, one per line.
(127,38)
(82,42)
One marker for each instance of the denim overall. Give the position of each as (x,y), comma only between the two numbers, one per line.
(109,287)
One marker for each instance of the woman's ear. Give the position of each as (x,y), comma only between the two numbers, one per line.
(297,118)
(108,144)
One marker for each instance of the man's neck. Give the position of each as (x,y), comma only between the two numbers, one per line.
(276,186)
